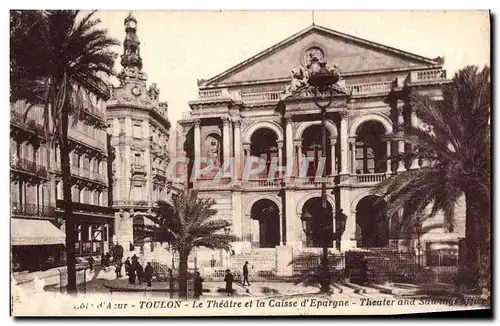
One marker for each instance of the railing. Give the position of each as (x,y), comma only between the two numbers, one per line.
(29,166)
(26,209)
(264,183)
(214,93)
(30,124)
(261,97)
(367,178)
(370,88)
(85,173)
(87,140)
(139,203)
(313,181)
(427,75)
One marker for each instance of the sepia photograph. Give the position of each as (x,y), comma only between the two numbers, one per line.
(250,163)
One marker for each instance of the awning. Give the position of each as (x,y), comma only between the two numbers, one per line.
(35,232)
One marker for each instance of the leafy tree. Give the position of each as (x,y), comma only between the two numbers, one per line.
(57,60)
(457,153)
(187,223)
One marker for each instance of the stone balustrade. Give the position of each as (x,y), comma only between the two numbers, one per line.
(370,88)
(423,76)
(370,178)
(264,183)
(261,97)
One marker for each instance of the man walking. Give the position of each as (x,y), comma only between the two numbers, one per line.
(245,274)
(148,273)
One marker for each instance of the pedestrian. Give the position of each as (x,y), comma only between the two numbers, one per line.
(212,261)
(140,273)
(148,273)
(198,285)
(127,266)
(171,278)
(91,262)
(131,276)
(229,282)
(245,274)
(118,269)
(131,246)
(135,261)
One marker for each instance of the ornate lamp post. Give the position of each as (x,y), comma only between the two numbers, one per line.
(418,231)
(227,230)
(340,222)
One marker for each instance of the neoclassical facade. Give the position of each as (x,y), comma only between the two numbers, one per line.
(251,111)
(139,129)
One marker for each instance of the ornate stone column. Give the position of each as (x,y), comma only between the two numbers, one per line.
(280,157)
(197,138)
(352,145)
(281,228)
(401,144)
(414,124)
(298,150)
(344,152)
(225,137)
(237,149)
(290,155)
(333,142)
(388,155)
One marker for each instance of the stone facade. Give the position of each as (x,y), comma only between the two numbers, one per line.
(139,129)
(36,186)
(246,111)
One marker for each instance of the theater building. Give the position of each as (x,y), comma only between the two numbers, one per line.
(249,111)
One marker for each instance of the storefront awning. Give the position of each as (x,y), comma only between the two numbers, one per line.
(35,232)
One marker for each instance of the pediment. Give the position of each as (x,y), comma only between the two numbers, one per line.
(352,55)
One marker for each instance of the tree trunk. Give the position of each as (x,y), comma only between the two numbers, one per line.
(472,239)
(68,205)
(183,275)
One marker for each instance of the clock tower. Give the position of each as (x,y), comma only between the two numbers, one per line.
(139,128)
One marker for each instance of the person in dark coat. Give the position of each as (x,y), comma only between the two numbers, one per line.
(131,246)
(245,274)
(198,285)
(127,266)
(229,282)
(135,261)
(140,273)
(148,273)
(131,276)
(91,262)
(118,269)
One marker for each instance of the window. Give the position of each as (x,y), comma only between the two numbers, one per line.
(137,194)
(122,126)
(105,233)
(95,198)
(137,158)
(137,130)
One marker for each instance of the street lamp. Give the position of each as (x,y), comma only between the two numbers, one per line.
(418,231)
(340,222)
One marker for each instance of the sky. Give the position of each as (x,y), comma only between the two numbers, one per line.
(179,47)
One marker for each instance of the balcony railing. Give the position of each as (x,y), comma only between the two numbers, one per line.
(159,172)
(264,183)
(313,181)
(26,209)
(214,93)
(427,76)
(88,174)
(261,97)
(17,118)
(29,166)
(370,178)
(87,140)
(137,203)
(370,88)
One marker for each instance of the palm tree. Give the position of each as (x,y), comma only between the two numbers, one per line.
(56,61)
(189,222)
(457,153)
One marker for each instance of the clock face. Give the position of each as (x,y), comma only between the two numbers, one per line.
(136,91)
(132,24)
